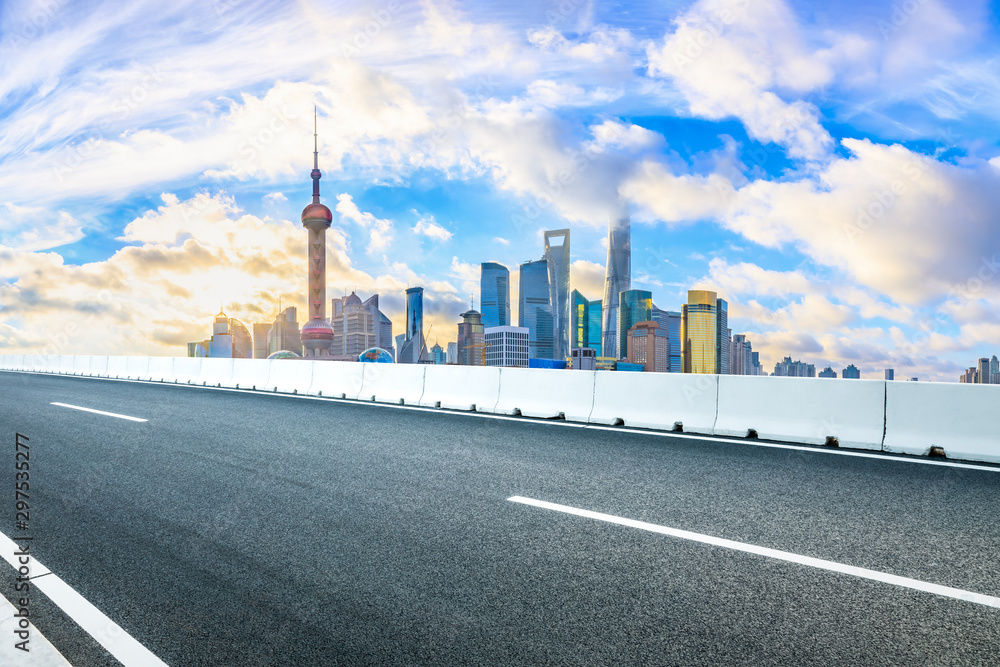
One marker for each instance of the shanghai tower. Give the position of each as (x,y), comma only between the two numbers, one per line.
(317,332)
(617,278)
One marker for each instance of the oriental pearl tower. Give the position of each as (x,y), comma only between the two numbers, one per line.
(317,333)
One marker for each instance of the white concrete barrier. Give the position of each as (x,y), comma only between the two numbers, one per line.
(290,376)
(11,362)
(461,387)
(218,372)
(337,379)
(393,383)
(656,400)
(245,373)
(187,370)
(959,418)
(546,393)
(81,365)
(65,366)
(159,369)
(804,410)
(98,366)
(136,367)
(117,367)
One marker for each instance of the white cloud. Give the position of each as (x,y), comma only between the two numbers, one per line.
(429,228)
(381,232)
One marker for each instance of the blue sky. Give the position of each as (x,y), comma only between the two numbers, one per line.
(832,169)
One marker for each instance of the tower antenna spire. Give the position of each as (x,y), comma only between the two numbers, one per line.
(316,173)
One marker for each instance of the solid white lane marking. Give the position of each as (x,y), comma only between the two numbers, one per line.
(41,652)
(881,456)
(106,632)
(905,582)
(100,412)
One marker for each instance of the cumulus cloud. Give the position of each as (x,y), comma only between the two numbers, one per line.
(733,58)
(426,226)
(380,232)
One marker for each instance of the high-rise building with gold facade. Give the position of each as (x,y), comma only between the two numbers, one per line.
(699,332)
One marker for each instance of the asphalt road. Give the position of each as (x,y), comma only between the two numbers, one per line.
(235,528)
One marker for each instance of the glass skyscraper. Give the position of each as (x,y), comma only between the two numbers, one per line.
(494,294)
(585,323)
(594,321)
(670,322)
(699,329)
(412,347)
(558,259)
(634,306)
(723,338)
(617,279)
(534,310)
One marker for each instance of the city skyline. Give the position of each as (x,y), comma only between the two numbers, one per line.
(170,177)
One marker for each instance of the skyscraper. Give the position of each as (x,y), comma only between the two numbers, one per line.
(383,325)
(794,369)
(827,373)
(983,371)
(222,340)
(994,370)
(722,337)
(317,333)
(494,294)
(617,278)
(353,327)
(890,374)
(634,306)
(471,342)
(670,323)
(558,259)
(648,345)
(534,310)
(699,329)
(411,350)
(851,373)
(595,311)
(260,330)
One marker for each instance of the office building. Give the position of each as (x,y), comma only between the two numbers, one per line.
(890,374)
(317,333)
(827,373)
(699,329)
(617,278)
(983,371)
(199,348)
(221,343)
(438,354)
(353,328)
(411,350)
(506,346)
(584,359)
(452,355)
(579,325)
(649,346)
(242,340)
(534,310)
(634,306)
(260,330)
(670,324)
(741,356)
(594,322)
(851,373)
(471,339)
(758,368)
(558,259)
(494,294)
(383,325)
(994,370)
(284,334)
(970,376)
(723,337)
(794,369)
